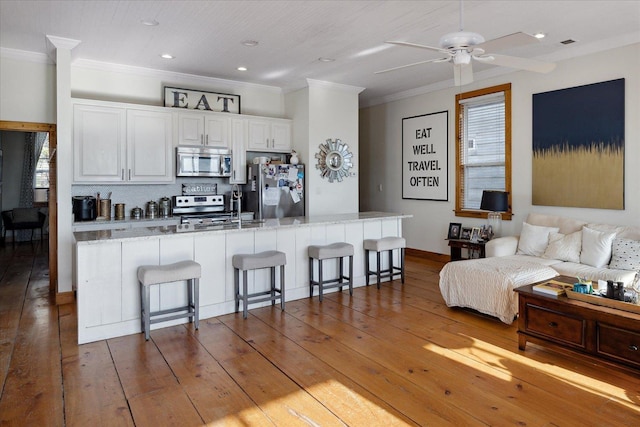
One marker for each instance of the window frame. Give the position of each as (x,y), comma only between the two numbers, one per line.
(460,142)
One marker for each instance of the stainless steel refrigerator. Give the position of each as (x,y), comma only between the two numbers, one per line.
(274,191)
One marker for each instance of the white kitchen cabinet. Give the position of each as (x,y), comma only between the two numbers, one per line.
(239,138)
(270,135)
(99,140)
(204,129)
(117,144)
(149,146)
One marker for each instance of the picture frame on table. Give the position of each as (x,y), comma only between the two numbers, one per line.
(475,234)
(465,233)
(454,230)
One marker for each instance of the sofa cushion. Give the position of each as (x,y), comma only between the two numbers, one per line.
(625,254)
(534,239)
(564,247)
(566,225)
(573,269)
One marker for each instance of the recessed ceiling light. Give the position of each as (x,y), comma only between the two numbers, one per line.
(323,59)
(242,68)
(167,56)
(539,35)
(250,43)
(149,22)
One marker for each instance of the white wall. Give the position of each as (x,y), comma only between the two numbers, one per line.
(28,90)
(381,143)
(333,114)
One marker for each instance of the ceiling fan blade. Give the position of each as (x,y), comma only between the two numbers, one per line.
(419,46)
(462,74)
(411,65)
(507,42)
(519,63)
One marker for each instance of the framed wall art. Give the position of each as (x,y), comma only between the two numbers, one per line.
(578,146)
(425,157)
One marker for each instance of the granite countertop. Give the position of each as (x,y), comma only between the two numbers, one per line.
(88,237)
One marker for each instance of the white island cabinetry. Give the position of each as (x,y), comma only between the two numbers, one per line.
(108,291)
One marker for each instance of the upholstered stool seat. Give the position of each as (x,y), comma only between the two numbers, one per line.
(245,262)
(149,275)
(386,244)
(338,250)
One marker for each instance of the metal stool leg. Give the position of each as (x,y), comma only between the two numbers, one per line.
(147,314)
(366,265)
(320,279)
(272,270)
(351,275)
(245,298)
(282,287)
(379,268)
(236,287)
(196,302)
(402,265)
(341,276)
(310,277)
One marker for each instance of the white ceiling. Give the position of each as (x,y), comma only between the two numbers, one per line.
(205,36)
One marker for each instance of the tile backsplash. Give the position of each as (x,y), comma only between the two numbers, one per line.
(133,195)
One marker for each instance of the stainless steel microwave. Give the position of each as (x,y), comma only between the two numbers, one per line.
(196,161)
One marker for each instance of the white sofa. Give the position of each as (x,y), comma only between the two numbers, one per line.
(547,246)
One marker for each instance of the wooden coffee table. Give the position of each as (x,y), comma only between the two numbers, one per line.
(603,332)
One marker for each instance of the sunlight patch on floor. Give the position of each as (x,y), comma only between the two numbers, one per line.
(498,362)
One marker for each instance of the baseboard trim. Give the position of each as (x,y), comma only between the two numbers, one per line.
(65,298)
(429,256)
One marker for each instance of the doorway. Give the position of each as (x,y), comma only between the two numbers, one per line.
(53,195)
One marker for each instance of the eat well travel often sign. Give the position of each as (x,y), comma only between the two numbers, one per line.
(199,100)
(425,157)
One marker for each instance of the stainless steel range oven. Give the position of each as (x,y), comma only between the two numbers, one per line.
(201,209)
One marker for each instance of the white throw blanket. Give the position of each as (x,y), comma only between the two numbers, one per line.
(487,284)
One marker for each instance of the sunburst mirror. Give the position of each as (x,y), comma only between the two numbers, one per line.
(334,160)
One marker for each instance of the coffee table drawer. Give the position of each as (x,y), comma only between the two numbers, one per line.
(620,344)
(555,326)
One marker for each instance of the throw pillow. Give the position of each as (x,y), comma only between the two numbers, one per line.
(564,247)
(534,239)
(625,254)
(596,247)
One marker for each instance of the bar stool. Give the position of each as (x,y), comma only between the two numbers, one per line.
(245,262)
(149,275)
(332,251)
(388,244)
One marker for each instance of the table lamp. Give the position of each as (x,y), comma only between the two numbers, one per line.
(495,202)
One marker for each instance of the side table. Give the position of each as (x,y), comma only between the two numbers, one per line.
(473,248)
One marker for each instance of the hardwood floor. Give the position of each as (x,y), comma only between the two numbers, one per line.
(397,356)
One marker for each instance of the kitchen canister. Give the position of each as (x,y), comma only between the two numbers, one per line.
(105,208)
(136,213)
(152,209)
(164,207)
(118,211)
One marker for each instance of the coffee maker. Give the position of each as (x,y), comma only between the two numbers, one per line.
(84,208)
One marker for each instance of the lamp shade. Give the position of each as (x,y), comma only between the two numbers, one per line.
(494,201)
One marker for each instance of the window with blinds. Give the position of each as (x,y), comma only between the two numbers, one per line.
(483,149)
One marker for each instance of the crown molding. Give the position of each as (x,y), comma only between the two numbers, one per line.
(172,76)
(336,86)
(24,55)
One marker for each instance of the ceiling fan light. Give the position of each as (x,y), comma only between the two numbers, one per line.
(461,57)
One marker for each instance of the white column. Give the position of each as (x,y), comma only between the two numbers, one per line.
(64,156)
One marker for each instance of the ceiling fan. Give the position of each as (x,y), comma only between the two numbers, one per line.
(462,46)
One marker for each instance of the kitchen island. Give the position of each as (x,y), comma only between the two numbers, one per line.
(108,292)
